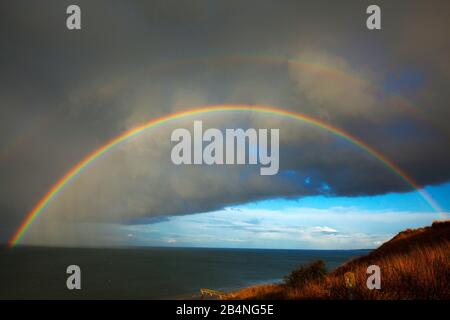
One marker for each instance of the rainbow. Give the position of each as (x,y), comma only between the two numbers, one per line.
(96,154)
(339,75)
(314,68)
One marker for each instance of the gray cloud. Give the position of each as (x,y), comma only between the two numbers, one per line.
(63,94)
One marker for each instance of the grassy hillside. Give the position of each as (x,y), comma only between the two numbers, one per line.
(415,264)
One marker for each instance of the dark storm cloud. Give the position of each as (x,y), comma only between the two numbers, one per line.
(63,94)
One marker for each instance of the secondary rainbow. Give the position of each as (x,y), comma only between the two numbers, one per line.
(96,154)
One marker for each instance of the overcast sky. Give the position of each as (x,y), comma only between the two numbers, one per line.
(65,93)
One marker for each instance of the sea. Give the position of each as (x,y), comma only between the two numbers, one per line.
(149,273)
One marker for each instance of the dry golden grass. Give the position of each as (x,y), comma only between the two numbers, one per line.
(268,291)
(415,264)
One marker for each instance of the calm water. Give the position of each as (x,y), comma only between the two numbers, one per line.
(149,273)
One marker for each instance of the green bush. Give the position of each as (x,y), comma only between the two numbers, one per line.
(313,271)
